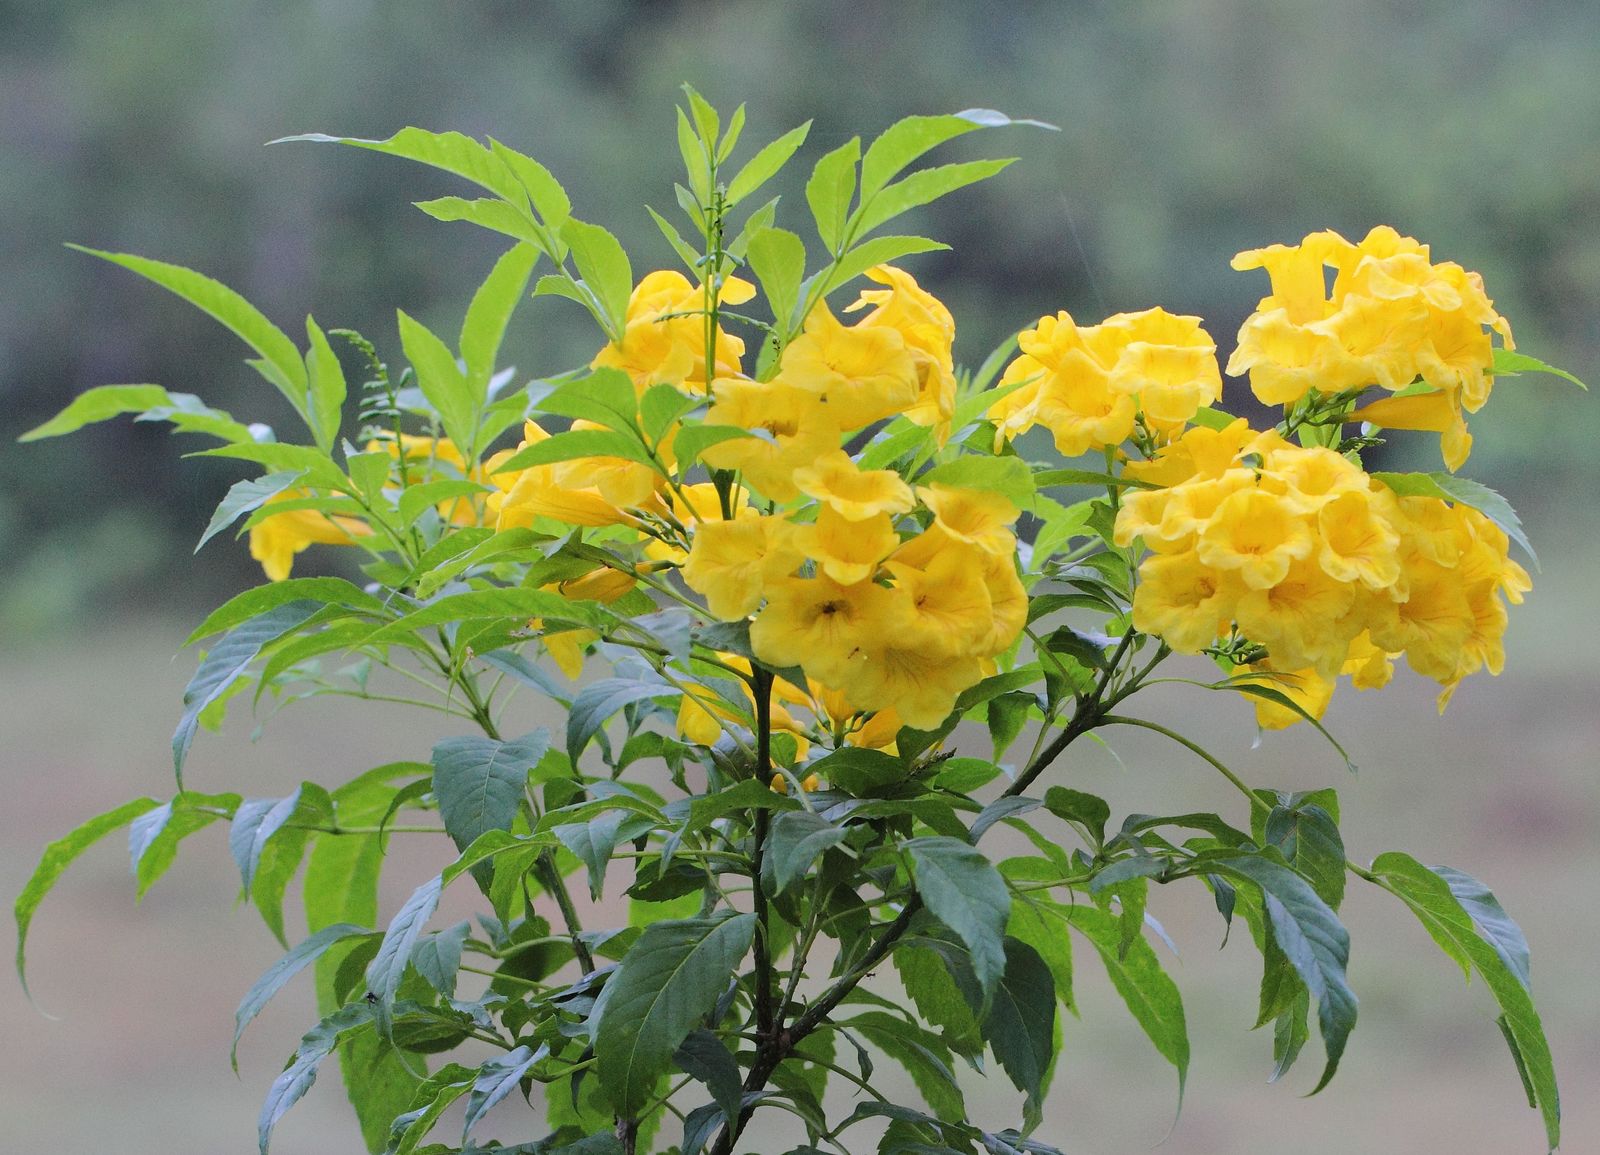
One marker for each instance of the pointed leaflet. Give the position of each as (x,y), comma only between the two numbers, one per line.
(1489,919)
(433,1097)
(965,892)
(99,404)
(706,1058)
(1020,1025)
(666,983)
(1308,835)
(1453,926)
(490,312)
(450,151)
(441,380)
(326,387)
(280,360)
(255,602)
(1508,363)
(438,958)
(603,265)
(923,1055)
(778,259)
(281,972)
(57,857)
(479,605)
(795,840)
(598,701)
(764,165)
(496,1079)
(906,140)
(388,966)
(288,1088)
(480,781)
(226,661)
(1313,940)
(245,497)
(254,823)
(1463,491)
(829,189)
(153,837)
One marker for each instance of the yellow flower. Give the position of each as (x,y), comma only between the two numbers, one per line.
(1299,282)
(1183,601)
(1256,534)
(1357,539)
(852,493)
(1438,411)
(848,551)
(664,334)
(731,562)
(929,331)
(1168,364)
(798,426)
(275,540)
(979,517)
(1300,619)
(820,625)
(921,686)
(861,374)
(1432,625)
(1287,360)
(1067,370)
(946,606)
(539,492)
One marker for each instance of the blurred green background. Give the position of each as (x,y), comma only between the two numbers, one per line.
(1189,131)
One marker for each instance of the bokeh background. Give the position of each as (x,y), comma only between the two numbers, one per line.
(1189,131)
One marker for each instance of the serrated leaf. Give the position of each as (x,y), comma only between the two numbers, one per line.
(605,270)
(1508,362)
(828,191)
(1490,920)
(795,840)
(876,251)
(289,1087)
(550,200)
(1008,476)
(226,660)
(480,782)
(254,823)
(922,1054)
(577,443)
(963,890)
(450,151)
(666,983)
(605,396)
(255,602)
(1020,1025)
(1086,811)
(921,187)
(99,404)
(481,605)
(598,701)
(706,1058)
(280,360)
(279,973)
(453,395)
(765,164)
(497,1078)
(394,953)
(1309,839)
(485,212)
(326,387)
(1006,806)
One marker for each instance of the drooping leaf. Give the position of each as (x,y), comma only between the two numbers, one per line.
(153,837)
(254,824)
(964,891)
(1006,806)
(438,957)
(923,1055)
(706,1058)
(794,841)
(278,975)
(99,404)
(1489,918)
(497,1078)
(296,1079)
(669,979)
(1309,838)
(1020,1025)
(450,151)
(388,966)
(480,782)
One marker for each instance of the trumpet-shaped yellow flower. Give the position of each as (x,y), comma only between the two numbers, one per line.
(1358,540)
(861,373)
(851,492)
(921,686)
(541,492)
(275,540)
(793,427)
(1183,601)
(1438,411)
(946,607)
(1066,373)
(1168,364)
(979,517)
(820,625)
(1302,620)
(929,331)
(732,562)
(848,551)
(1257,535)
(664,333)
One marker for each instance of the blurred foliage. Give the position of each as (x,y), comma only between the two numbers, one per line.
(1189,132)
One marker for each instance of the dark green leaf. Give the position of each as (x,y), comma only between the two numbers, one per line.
(598,701)
(707,1059)
(1309,838)
(964,891)
(254,824)
(1020,1025)
(438,958)
(922,1054)
(242,498)
(1086,811)
(281,972)
(1489,918)
(388,966)
(480,782)
(796,839)
(496,1079)
(1006,806)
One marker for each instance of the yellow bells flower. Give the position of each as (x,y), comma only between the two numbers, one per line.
(929,331)
(1256,535)
(854,494)
(1067,370)
(1008,603)
(780,783)
(1185,511)
(1433,624)
(731,562)
(1299,618)
(538,492)
(275,540)
(1308,477)
(1368,667)
(946,606)
(862,373)
(664,334)
(820,625)
(624,484)
(920,685)
(1168,365)
(691,506)
(1438,412)
(1183,601)
(1358,540)
(1286,359)
(978,517)
(798,429)
(848,551)
(1382,335)
(1307,689)
(1299,284)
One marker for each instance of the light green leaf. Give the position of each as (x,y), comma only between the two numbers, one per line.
(873,252)
(490,313)
(778,259)
(452,395)
(920,188)
(279,974)
(1453,927)
(245,497)
(550,200)
(667,982)
(829,189)
(693,440)
(605,396)
(963,890)
(1008,476)
(317,466)
(480,605)
(450,151)
(485,212)
(1489,918)
(99,404)
(765,164)
(1508,363)
(605,270)
(255,602)
(280,359)
(59,855)
(226,660)
(1449,487)
(685,251)
(1046,933)
(417,499)
(579,443)
(326,387)
(906,140)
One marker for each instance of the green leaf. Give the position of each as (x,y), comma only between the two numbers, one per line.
(485,212)
(829,189)
(593,842)
(254,824)
(666,983)
(433,1098)
(255,602)
(279,974)
(692,440)
(481,605)
(706,1058)
(1508,362)
(922,1054)
(1309,838)
(1313,940)
(1453,927)
(765,164)
(778,259)
(605,270)
(490,313)
(1047,934)
(450,151)
(876,251)
(388,966)
(1086,811)
(1008,476)
(1020,1025)
(796,839)
(452,395)
(244,497)
(99,404)
(598,701)
(920,188)
(1152,997)
(1006,806)
(929,981)
(226,660)
(906,140)
(1047,478)
(59,855)
(317,1044)
(480,782)
(1490,920)
(326,387)
(550,200)
(579,443)
(277,456)
(416,499)
(280,359)
(963,890)
(606,397)
(1449,487)
(153,838)
(497,1078)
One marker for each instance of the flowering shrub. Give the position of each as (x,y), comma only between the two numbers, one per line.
(767,559)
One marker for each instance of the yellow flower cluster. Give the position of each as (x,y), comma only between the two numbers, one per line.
(1304,553)
(1390,318)
(1090,385)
